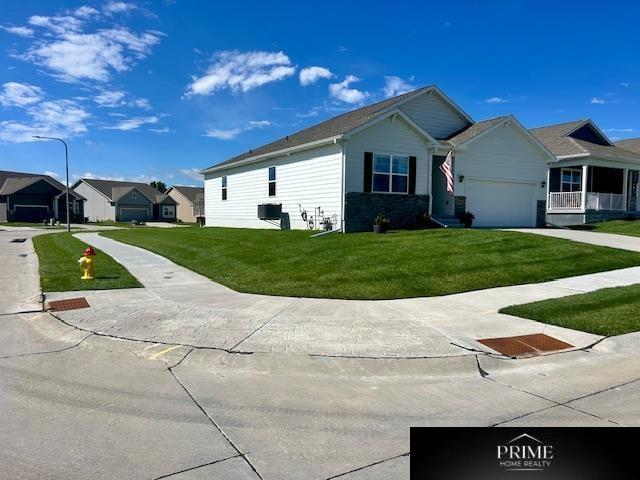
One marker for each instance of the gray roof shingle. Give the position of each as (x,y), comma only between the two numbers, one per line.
(330,128)
(631,144)
(473,130)
(557,139)
(190,192)
(20,180)
(113,189)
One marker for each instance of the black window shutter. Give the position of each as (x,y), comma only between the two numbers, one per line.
(368,171)
(412,175)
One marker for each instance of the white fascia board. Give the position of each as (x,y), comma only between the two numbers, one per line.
(277,153)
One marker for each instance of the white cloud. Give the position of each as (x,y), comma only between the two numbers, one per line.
(59,118)
(110,98)
(311,75)
(133,123)
(93,56)
(597,101)
(112,8)
(20,94)
(85,11)
(22,31)
(160,130)
(141,103)
(192,173)
(396,86)
(231,133)
(241,71)
(625,84)
(59,24)
(51,174)
(496,100)
(341,91)
(447,24)
(620,130)
(96,176)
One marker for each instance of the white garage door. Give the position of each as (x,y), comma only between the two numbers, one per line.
(501,204)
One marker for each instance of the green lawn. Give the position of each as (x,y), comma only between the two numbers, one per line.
(58,255)
(610,311)
(367,266)
(621,227)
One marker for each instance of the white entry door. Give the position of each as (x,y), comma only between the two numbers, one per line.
(501,204)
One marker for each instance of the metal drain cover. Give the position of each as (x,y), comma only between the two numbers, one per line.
(18,240)
(69,304)
(525,345)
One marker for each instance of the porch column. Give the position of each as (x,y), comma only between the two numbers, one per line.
(585,171)
(546,198)
(430,167)
(625,184)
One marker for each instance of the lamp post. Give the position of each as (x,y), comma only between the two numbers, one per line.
(66,166)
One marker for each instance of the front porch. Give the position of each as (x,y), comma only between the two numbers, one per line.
(585,193)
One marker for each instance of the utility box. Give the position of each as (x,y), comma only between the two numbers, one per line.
(270,211)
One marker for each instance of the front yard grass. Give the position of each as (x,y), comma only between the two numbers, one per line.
(58,255)
(610,311)
(621,227)
(366,266)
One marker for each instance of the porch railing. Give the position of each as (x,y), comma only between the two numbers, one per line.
(565,200)
(605,201)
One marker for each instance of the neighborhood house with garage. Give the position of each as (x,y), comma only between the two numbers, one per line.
(29,197)
(190,200)
(385,158)
(108,200)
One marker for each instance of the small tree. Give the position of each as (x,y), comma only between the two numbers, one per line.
(158,185)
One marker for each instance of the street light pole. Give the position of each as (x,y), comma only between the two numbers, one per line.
(66,166)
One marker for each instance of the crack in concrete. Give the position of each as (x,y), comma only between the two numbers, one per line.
(213,422)
(47,352)
(196,467)
(182,359)
(263,325)
(367,466)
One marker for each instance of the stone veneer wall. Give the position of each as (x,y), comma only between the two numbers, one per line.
(362,208)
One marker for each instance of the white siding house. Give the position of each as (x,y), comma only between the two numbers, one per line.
(384,159)
(97,207)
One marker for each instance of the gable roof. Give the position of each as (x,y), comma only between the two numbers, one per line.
(471,131)
(114,190)
(631,144)
(336,126)
(190,193)
(558,139)
(11,182)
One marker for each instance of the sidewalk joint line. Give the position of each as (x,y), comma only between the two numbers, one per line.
(196,467)
(406,454)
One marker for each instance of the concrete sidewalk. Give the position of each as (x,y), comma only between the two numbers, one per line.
(180,306)
(623,242)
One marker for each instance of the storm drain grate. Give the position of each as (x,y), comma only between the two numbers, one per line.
(525,345)
(18,240)
(69,304)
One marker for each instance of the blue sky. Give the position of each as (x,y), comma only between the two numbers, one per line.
(158,90)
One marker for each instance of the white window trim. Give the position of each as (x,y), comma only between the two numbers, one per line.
(572,170)
(272,181)
(390,174)
(224,188)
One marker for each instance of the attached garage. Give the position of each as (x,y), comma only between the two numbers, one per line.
(502,203)
(127,214)
(30,213)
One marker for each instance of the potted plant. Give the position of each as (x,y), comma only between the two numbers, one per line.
(467,218)
(380,223)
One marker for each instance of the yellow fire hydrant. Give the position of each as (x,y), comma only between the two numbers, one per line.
(87,264)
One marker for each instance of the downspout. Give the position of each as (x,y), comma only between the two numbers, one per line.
(343,189)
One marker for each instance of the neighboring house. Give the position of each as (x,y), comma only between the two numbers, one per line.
(108,200)
(591,179)
(385,158)
(33,197)
(190,202)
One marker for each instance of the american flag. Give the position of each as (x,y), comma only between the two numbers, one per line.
(447,169)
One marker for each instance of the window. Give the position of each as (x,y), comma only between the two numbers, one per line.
(134,195)
(272,181)
(571,180)
(390,174)
(224,188)
(168,211)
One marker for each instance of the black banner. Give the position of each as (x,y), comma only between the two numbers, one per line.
(525,453)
